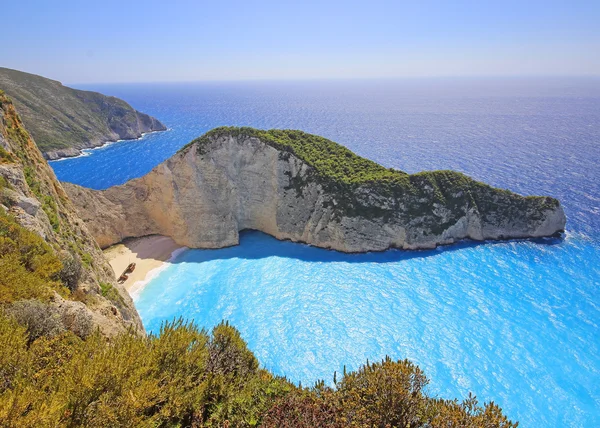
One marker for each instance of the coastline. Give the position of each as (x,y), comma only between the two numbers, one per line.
(151,254)
(87,151)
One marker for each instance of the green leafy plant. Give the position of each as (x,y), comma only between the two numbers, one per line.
(111,293)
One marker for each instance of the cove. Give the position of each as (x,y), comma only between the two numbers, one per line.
(507,321)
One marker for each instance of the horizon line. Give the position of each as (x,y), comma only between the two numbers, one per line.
(325,79)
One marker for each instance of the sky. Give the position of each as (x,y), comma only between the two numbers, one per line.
(150,41)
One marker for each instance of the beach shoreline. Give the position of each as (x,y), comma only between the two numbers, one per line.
(87,151)
(151,255)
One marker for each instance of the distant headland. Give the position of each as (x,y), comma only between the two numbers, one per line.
(63,121)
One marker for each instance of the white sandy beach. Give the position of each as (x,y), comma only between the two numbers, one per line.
(149,253)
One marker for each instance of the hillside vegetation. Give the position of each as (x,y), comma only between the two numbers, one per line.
(29,268)
(185,377)
(62,118)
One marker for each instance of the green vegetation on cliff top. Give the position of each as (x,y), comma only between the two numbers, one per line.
(59,117)
(328,158)
(339,165)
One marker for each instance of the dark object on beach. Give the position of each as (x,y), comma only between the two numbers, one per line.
(130,268)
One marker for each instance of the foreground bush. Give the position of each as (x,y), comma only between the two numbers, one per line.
(29,268)
(385,394)
(42,319)
(186,377)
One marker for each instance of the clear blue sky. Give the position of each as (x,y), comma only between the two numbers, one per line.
(137,41)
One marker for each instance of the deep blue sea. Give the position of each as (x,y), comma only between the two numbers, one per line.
(513,322)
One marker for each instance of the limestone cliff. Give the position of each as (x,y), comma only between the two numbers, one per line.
(63,120)
(305,188)
(31,194)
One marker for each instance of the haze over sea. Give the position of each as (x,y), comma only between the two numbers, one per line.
(516,322)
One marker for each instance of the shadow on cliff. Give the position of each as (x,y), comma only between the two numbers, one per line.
(258,245)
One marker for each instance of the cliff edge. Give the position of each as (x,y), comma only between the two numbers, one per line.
(305,188)
(52,272)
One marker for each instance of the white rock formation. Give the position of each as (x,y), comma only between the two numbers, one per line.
(206,194)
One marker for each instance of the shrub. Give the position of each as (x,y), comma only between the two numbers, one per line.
(228,354)
(383,394)
(42,319)
(6,156)
(13,353)
(70,274)
(29,268)
(77,319)
(17,282)
(111,293)
(87,259)
(300,409)
(51,210)
(38,318)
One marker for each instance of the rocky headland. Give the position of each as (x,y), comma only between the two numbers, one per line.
(63,121)
(305,188)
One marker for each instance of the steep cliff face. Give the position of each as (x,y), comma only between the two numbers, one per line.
(304,188)
(31,194)
(63,120)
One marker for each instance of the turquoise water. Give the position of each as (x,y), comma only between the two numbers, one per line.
(516,322)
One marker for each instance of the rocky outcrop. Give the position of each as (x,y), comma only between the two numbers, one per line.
(31,194)
(304,188)
(63,121)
